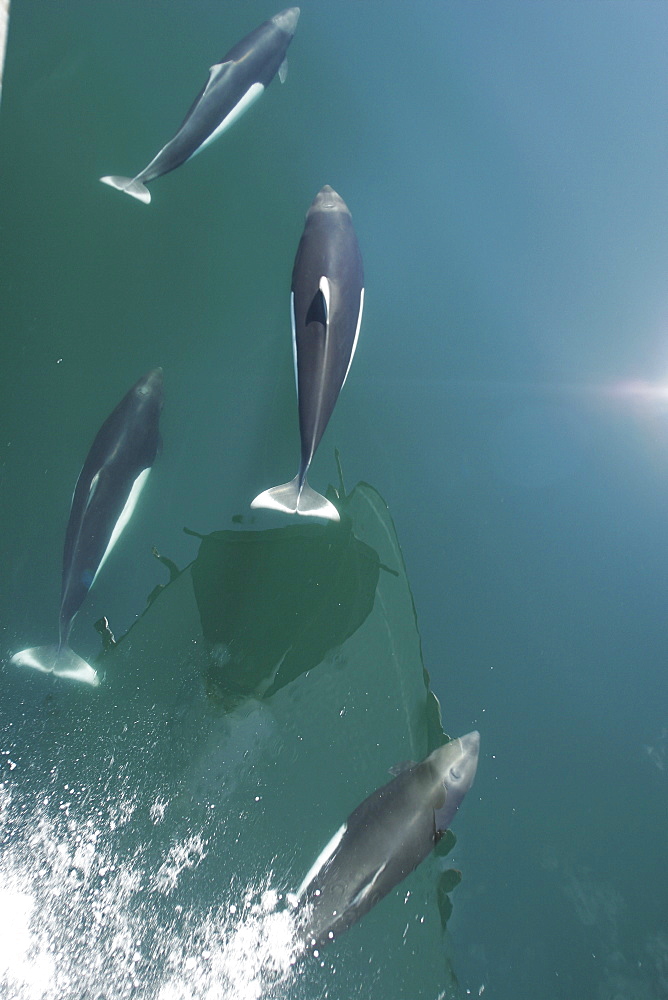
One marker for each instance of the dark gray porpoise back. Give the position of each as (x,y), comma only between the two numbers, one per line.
(125,445)
(394,827)
(233,85)
(328,247)
(255,59)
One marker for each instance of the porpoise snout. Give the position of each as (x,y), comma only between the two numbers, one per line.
(287,19)
(327,200)
(471,743)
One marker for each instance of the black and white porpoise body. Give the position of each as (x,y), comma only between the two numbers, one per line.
(234,84)
(326,307)
(105,496)
(383,840)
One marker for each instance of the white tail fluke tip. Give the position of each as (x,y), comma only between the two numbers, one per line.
(63,662)
(129,186)
(291,500)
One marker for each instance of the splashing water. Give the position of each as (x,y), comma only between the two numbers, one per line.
(77,919)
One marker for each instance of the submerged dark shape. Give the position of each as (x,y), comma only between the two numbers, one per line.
(247,791)
(383,840)
(326,307)
(105,495)
(234,84)
(274,603)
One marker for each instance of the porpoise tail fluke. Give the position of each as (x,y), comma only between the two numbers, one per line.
(291,498)
(129,186)
(58,660)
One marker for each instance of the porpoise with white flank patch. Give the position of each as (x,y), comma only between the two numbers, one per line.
(326,308)
(234,84)
(383,840)
(105,495)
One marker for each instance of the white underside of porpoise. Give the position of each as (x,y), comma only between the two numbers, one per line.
(322,859)
(249,98)
(62,661)
(124,517)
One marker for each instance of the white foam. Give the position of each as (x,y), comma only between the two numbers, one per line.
(81,915)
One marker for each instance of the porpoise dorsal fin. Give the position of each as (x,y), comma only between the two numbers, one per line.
(216,70)
(367,888)
(92,488)
(404,765)
(283,70)
(318,311)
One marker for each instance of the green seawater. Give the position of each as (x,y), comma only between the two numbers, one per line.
(505,167)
